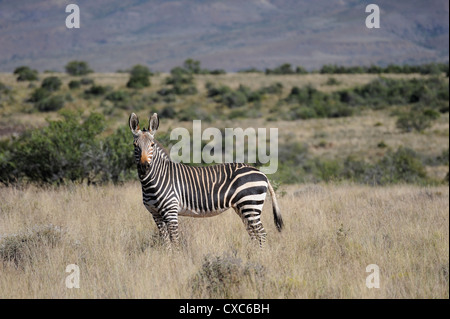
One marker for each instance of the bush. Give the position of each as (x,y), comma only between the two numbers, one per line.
(311,103)
(285,68)
(168,112)
(55,153)
(184,89)
(192,66)
(96,90)
(78,68)
(118,96)
(180,76)
(22,248)
(139,77)
(87,81)
(234,99)
(382,92)
(193,112)
(300,70)
(217,72)
(50,104)
(401,166)
(404,165)
(74,84)
(225,277)
(213,91)
(51,84)
(332,81)
(115,162)
(328,170)
(24,73)
(38,94)
(275,88)
(417,120)
(295,165)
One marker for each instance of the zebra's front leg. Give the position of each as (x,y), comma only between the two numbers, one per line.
(171,220)
(162,228)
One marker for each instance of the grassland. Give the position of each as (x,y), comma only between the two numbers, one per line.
(332,233)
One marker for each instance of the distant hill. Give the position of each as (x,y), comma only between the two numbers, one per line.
(232,35)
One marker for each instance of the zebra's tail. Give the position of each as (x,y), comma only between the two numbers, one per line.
(276,209)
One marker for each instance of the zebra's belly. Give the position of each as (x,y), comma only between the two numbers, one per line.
(193,213)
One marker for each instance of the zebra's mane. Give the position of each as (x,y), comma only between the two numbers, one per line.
(165,151)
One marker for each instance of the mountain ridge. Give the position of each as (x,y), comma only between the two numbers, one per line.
(231,35)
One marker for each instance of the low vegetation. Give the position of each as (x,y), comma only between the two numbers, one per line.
(332,233)
(191,92)
(363,162)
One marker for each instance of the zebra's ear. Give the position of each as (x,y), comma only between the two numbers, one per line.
(134,123)
(153,124)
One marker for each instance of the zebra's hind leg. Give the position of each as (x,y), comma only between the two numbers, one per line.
(252,221)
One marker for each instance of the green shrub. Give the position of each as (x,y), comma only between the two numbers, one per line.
(300,70)
(328,170)
(78,68)
(404,165)
(416,120)
(250,70)
(180,89)
(401,166)
(39,94)
(213,91)
(50,104)
(311,103)
(382,144)
(24,73)
(295,165)
(53,153)
(379,93)
(192,66)
(179,75)
(275,88)
(74,84)
(444,158)
(193,112)
(51,83)
(234,99)
(68,150)
(139,77)
(217,72)
(332,81)
(285,68)
(118,96)
(96,90)
(168,112)
(87,81)
(115,162)
(239,113)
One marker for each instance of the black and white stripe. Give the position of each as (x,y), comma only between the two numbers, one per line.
(174,189)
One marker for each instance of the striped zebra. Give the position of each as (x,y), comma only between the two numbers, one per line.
(173,189)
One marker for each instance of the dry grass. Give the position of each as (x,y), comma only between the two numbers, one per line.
(332,233)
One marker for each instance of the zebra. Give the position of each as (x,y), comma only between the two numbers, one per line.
(171,189)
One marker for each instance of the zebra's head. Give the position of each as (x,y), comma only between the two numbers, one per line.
(144,142)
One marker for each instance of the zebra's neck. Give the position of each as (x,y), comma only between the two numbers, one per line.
(158,166)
